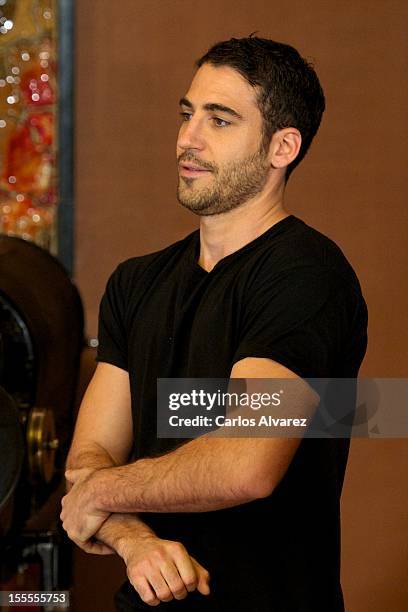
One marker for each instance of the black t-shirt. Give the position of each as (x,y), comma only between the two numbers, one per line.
(289,295)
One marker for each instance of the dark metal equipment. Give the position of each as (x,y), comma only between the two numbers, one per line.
(11,458)
(41,339)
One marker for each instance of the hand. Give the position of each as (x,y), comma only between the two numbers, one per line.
(80,519)
(94,547)
(161,570)
(91,546)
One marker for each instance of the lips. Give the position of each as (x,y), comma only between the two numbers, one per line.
(192,170)
(192,167)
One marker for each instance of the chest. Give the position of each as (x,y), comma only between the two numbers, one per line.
(187,326)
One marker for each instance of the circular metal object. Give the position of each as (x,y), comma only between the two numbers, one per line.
(41,340)
(41,444)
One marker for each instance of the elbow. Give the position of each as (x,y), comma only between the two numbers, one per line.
(263,488)
(259,486)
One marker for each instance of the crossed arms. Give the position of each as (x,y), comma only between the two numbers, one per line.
(99,511)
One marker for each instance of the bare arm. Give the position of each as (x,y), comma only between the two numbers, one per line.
(103,430)
(206,473)
(159,570)
(103,438)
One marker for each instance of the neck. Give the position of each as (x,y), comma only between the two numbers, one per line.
(223,234)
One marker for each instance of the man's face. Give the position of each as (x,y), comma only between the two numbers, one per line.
(220,159)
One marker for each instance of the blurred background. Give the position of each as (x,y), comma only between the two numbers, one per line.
(88,123)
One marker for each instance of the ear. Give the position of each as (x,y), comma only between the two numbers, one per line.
(284,147)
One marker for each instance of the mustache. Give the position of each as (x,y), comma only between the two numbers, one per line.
(189,157)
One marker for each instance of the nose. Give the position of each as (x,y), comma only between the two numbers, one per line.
(190,135)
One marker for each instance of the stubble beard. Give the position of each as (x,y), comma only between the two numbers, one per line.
(231,185)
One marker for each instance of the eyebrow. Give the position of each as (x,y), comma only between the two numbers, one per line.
(212,106)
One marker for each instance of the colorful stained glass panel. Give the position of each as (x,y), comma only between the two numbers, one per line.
(28,120)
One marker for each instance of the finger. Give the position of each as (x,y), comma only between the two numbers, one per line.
(70,475)
(160,586)
(203,577)
(98,548)
(185,568)
(95,548)
(91,523)
(174,580)
(145,591)
(75,475)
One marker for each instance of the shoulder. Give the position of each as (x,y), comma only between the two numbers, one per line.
(302,253)
(129,271)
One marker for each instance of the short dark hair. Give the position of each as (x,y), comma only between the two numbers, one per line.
(289,92)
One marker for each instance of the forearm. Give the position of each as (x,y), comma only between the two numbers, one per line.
(120,529)
(203,475)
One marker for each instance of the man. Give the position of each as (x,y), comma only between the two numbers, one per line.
(223,524)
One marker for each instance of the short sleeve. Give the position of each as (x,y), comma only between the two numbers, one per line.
(300,318)
(112,337)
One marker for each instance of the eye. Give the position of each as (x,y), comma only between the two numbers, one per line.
(221,122)
(185,115)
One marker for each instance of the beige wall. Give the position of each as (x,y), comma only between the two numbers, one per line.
(134,61)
